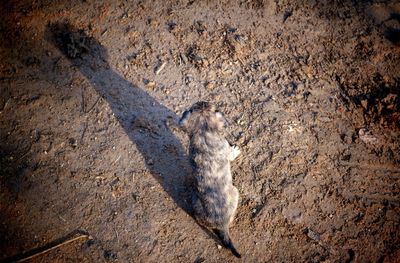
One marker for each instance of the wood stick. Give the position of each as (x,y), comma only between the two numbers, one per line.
(49,247)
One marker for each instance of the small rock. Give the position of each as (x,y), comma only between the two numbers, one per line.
(306,94)
(364,104)
(151,85)
(171,26)
(184,58)
(313,235)
(366,136)
(210,85)
(110,255)
(219,247)
(188,79)
(379,108)
(134,196)
(36,135)
(140,123)
(72,142)
(288,13)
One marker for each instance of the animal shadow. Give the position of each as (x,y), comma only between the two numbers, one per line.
(392,33)
(142,117)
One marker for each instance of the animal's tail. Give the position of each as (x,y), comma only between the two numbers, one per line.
(223,235)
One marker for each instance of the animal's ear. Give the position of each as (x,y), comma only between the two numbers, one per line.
(221,118)
(184,119)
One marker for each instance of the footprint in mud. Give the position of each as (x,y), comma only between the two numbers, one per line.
(141,116)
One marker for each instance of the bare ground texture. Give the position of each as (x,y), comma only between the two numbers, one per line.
(88,92)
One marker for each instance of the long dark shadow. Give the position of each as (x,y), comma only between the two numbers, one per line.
(142,117)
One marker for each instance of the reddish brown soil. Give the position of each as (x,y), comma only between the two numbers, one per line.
(311,90)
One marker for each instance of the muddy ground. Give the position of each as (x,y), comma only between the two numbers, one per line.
(89,90)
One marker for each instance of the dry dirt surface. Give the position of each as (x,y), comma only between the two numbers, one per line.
(90,91)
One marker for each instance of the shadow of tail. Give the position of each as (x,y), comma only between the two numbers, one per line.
(227,241)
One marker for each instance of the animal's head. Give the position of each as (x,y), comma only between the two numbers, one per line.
(202,116)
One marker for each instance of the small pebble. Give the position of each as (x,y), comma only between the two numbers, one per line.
(364,104)
(72,142)
(313,235)
(110,255)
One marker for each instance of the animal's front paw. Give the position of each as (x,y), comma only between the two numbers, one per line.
(235,152)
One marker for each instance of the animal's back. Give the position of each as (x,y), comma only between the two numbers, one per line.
(215,199)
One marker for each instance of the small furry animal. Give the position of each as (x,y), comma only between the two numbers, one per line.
(214,198)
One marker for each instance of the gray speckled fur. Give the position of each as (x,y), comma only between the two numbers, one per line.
(215,199)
